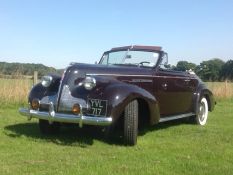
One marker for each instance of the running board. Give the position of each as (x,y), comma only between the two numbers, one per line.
(174,117)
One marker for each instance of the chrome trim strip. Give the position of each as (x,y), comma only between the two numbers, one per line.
(174,117)
(51,116)
(157,76)
(123,75)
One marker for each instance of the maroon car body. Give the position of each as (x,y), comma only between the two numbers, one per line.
(130,82)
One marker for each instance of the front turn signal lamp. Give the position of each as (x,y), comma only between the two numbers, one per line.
(35,104)
(76,109)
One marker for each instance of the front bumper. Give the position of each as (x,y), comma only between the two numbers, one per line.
(52,116)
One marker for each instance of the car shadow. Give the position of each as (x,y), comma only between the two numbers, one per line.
(68,136)
(164,125)
(72,135)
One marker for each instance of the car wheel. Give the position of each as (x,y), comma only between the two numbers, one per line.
(131,123)
(202,113)
(47,128)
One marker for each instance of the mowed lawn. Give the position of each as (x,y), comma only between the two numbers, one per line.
(167,148)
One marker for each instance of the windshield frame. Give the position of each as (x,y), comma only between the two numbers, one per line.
(160,53)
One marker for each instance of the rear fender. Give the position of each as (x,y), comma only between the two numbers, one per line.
(203,91)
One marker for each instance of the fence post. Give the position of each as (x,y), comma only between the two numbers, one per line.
(35,77)
(226,88)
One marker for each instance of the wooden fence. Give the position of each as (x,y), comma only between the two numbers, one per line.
(220,89)
(34,77)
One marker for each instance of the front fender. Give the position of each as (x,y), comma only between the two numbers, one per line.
(38,91)
(120,94)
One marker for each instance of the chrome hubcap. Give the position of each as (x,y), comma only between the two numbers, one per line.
(202,112)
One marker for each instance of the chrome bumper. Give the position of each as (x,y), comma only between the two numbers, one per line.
(51,116)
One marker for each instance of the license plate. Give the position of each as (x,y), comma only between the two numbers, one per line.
(97,107)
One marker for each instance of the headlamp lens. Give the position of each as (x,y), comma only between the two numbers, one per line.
(89,83)
(46,81)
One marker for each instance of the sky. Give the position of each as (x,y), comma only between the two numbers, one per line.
(57,32)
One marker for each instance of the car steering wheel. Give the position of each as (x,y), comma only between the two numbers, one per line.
(141,63)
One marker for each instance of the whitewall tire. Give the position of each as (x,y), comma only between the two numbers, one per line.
(202,113)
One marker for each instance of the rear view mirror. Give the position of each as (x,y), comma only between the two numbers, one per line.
(128,57)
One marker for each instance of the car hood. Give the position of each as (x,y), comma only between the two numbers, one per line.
(75,74)
(82,70)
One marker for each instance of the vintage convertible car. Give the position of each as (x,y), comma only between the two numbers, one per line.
(130,86)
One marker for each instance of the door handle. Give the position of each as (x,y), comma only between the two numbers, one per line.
(164,86)
(187,82)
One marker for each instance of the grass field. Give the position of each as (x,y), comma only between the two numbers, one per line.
(221,90)
(14,91)
(168,148)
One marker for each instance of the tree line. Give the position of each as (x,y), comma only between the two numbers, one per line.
(15,69)
(212,70)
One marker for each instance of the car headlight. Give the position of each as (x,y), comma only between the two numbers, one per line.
(46,81)
(89,83)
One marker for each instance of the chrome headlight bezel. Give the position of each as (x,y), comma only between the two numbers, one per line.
(89,83)
(46,80)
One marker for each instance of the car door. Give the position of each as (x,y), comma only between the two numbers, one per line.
(173,91)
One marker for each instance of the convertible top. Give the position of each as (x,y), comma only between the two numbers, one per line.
(138,47)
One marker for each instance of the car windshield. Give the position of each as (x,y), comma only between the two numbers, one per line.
(129,57)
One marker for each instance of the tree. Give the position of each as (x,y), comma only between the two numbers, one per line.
(210,70)
(227,70)
(185,65)
(25,69)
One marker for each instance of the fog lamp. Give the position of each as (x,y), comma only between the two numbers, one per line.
(76,109)
(35,104)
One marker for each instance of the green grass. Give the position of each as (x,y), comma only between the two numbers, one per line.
(169,148)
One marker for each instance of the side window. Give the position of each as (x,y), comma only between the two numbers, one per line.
(164,63)
(104,59)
